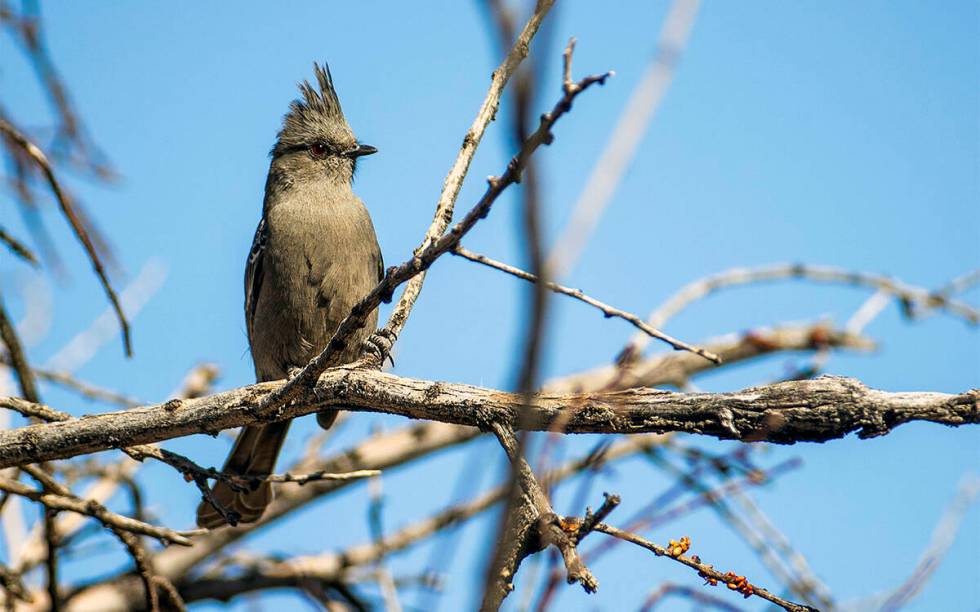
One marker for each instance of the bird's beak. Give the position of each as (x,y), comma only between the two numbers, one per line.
(359,150)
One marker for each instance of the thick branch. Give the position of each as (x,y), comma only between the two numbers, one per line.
(797,411)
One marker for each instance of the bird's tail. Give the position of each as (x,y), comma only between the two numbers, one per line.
(254,454)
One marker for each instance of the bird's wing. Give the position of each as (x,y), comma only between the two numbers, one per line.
(253,274)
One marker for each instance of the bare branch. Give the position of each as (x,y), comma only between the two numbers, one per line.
(530,527)
(454,180)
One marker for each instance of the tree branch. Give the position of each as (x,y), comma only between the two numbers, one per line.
(797,411)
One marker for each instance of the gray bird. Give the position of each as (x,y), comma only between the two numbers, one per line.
(314,256)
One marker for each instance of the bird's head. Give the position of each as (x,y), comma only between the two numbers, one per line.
(315,141)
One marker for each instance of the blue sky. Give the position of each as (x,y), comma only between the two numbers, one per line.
(830,133)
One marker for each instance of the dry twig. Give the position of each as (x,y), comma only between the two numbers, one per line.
(709,573)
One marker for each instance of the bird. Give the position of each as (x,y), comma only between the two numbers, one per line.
(315,254)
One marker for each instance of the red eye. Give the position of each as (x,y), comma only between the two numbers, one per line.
(318,149)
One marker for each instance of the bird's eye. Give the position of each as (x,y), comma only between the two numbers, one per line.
(318,149)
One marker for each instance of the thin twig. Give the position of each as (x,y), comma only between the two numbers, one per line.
(763,546)
(654,514)
(578,294)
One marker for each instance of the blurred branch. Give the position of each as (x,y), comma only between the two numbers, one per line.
(910,297)
(625,138)
(18,248)
(18,360)
(74,220)
(943,537)
(695,596)
(94,510)
(82,388)
(26,26)
(675,369)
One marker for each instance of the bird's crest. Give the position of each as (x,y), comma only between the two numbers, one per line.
(324,102)
(317,115)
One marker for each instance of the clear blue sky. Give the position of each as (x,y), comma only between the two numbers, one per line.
(835,133)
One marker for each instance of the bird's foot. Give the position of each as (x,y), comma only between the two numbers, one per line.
(379,344)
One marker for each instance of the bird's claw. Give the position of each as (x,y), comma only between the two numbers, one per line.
(379,345)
